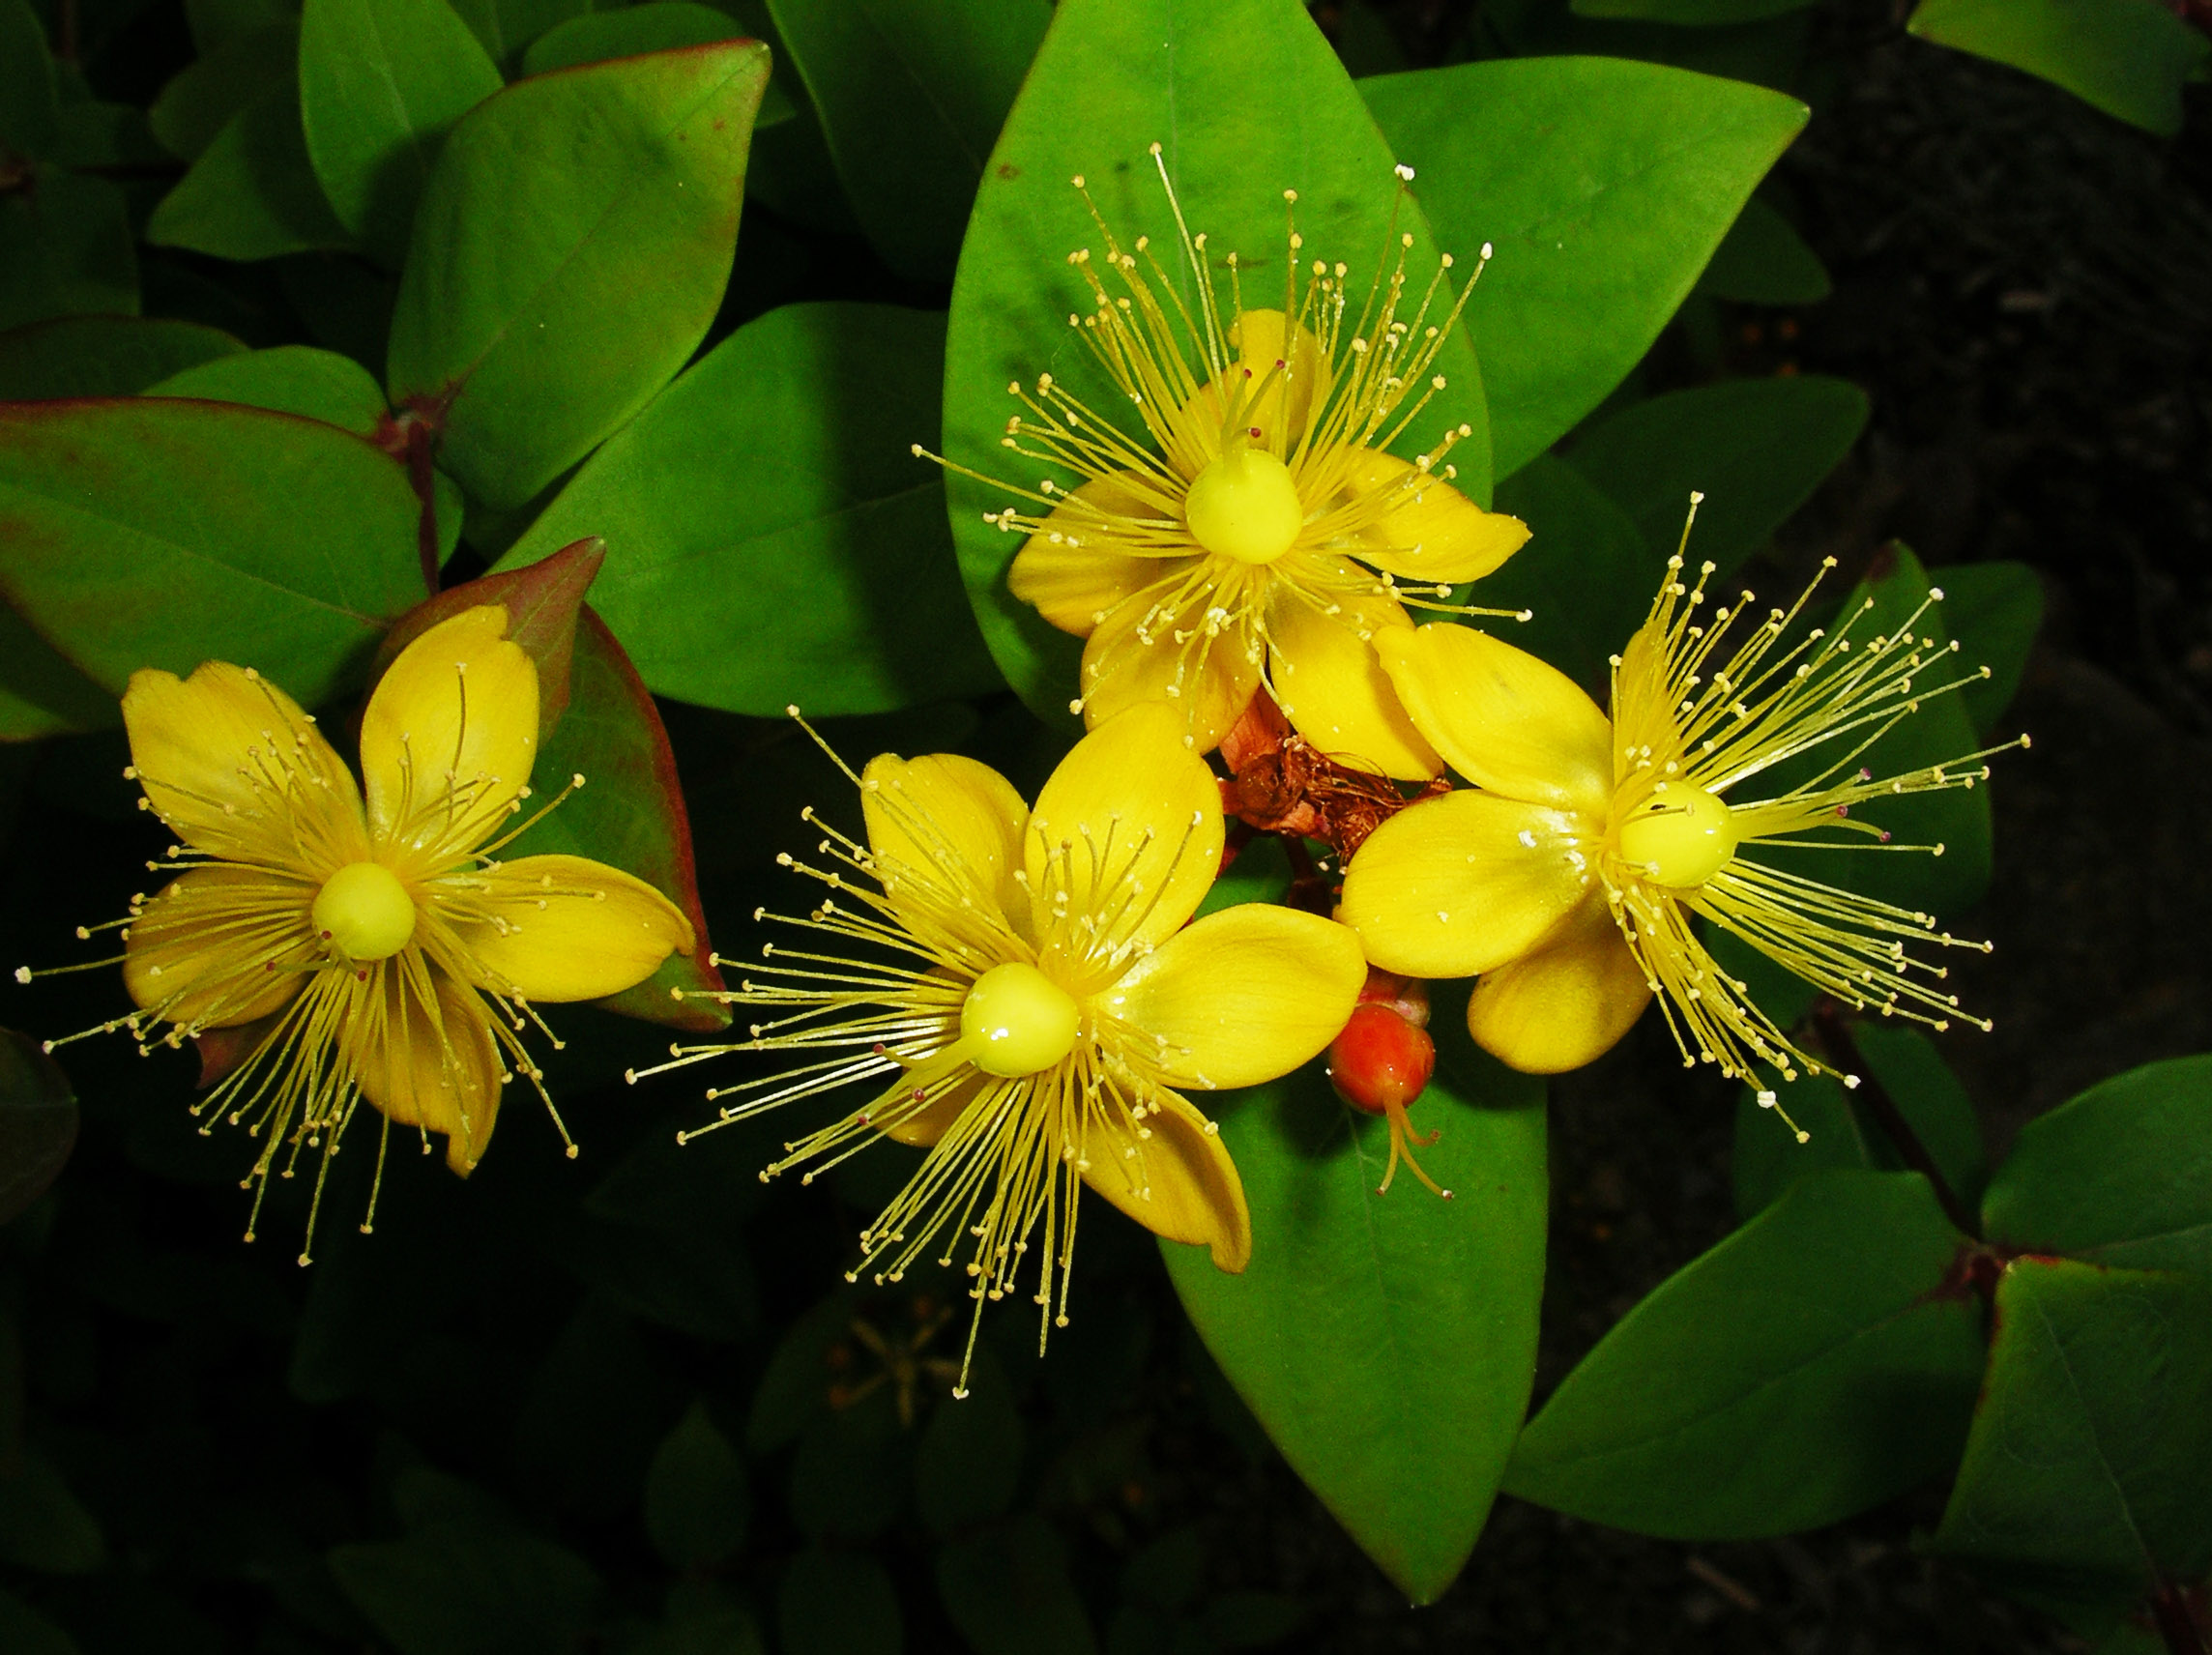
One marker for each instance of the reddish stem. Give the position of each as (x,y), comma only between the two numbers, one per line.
(423,480)
(2176,1621)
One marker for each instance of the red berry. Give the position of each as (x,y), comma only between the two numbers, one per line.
(1380,1060)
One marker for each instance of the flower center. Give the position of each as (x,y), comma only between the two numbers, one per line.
(364,911)
(1245,506)
(1016,1021)
(1682,836)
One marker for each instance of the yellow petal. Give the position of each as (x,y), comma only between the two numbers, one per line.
(943,828)
(1335,691)
(211,949)
(1157,648)
(450,736)
(234,766)
(1432,531)
(1129,828)
(924,1126)
(1176,1181)
(1075,568)
(1463,884)
(560,928)
(1242,995)
(1285,401)
(421,1046)
(1502,718)
(1564,1006)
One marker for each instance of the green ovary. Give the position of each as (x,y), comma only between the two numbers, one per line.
(1016,1021)
(1245,506)
(364,911)
(1680,837)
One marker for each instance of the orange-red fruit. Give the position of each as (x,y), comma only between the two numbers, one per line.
(1382,1059)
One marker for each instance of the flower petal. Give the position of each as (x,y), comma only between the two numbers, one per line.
(561,928)
(1564,1006)
(1157,648)
(1433,532)
(1242,995)
(237,770)
(421,1049)
(945,828)
(1075,568)
(1463,884)
(1285,406)
(1176,1181)
(924,1126)
(212,948)
(1335,690)
(1129,828)
(450,736)
(1502,718)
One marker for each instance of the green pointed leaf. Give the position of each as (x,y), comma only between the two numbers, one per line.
(849,1478)
(1704,14)
(1812,1365)
(1586,575)
(216,23)
(196,106)
(30,109)
(1010,1592)
(1248,101)
(25,1632)
(551,209)
(658,26)
(98,135)
(1847,1134)
(1995,610)
(42,1525)
(629,815)
(38,1122)
(2092,1446)
(2129,58)
(505,27)
(695,1498)
(290,379)
(41,693)
(65,249)
(770,529)
(1755,448)
(1386,1342)
(144,533)
(2121,1175)
(381,82)
(1763,260)
(1604,188)
(103,355)
(970,1458)
(253,192)
(911,95)
(839,1603)
(457,1588)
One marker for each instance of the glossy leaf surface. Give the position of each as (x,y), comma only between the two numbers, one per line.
(253,192)
(1385,1342)
(145,532)
(552,207)
(768,528)
(2129,58)
(381,82)
(1763,260)
(911,95)
(1248,101)
(2092,1446)
(1814,1366)
(658,26)
(2121,1175)
(1600,224)
(1585,577)
(1755,448)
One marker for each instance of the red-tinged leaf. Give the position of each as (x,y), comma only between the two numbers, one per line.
(543,602)
(628,814)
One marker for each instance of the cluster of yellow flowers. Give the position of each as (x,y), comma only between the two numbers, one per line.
(1021,989)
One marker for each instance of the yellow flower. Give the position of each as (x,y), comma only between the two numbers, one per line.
(1257,530)
(1569,877)
(1025,985)
(390,955)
